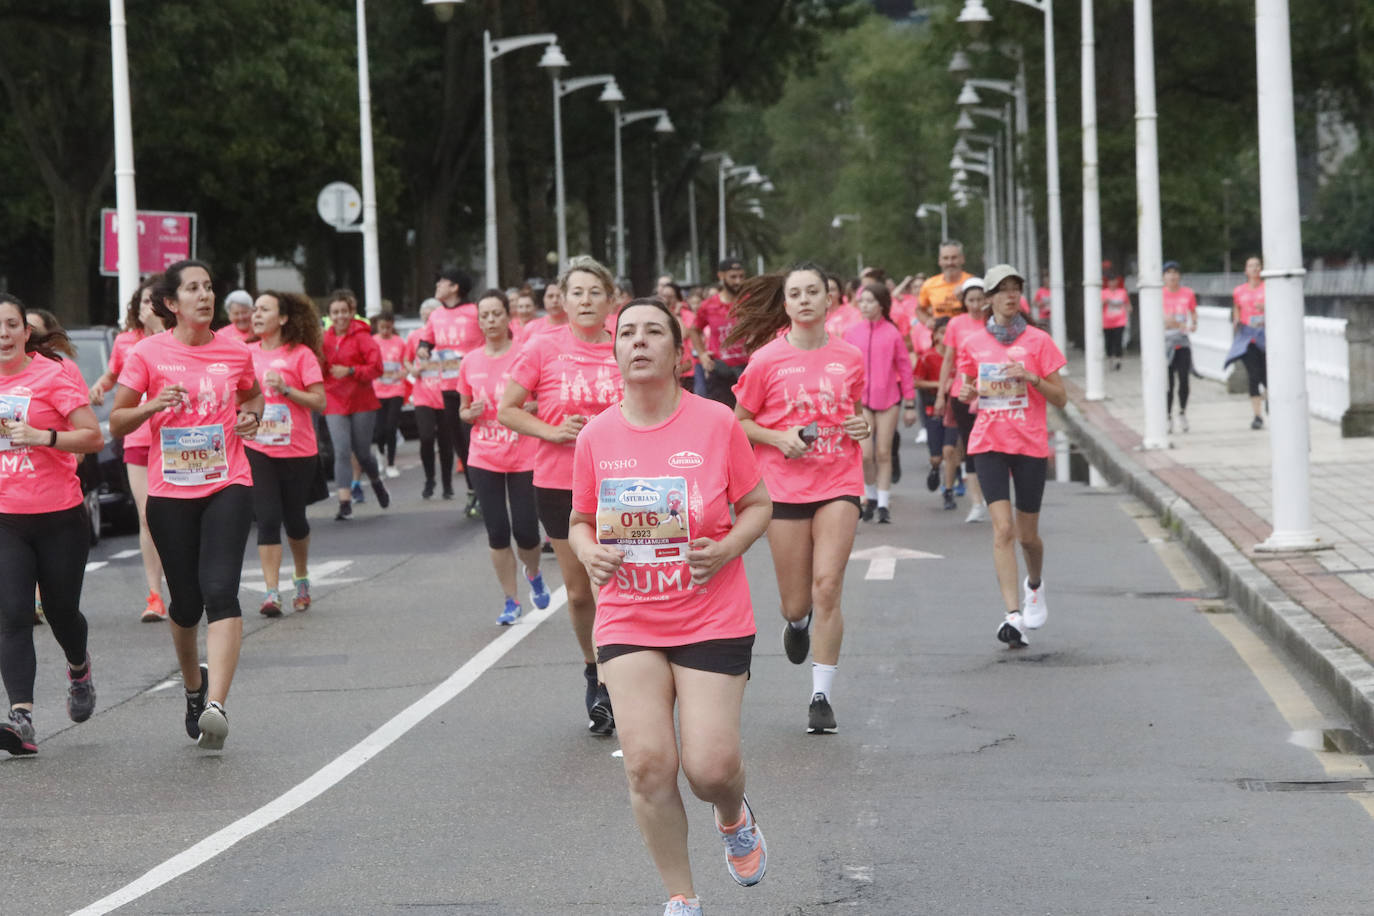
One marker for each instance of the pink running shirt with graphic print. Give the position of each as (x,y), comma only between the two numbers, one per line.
(37,478)
(494,447)
(200,452)
(568,377)
(1115,308)
(428,390)
(287,429)
(454,333)
(652,490)
(784,387)
(1249,301)
(1011,414)
(392,382)
(1180,303)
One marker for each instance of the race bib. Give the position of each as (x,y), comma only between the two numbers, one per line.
(391,372)
(193,455)
(12,407)
(1256,321)
(449,361)
(644,517)
(997,392)
(275,426)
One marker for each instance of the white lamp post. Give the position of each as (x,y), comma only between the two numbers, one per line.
(1281,224)
(372,271)
(1093,349)
(664,126)
(969,163)
(1008,187)
(925,210)
(1020,207)
(839,220)
(611,94)
(723,164)
(1149,233)
(490,51)
(126,204)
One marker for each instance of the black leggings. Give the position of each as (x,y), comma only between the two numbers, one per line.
(429,423)
(998,471)
(201,542)
(460,431)
(1256,369)
(1113,336)
(281,490)
(493,489)
(965,418)
(388,422)
(1181,365)
(47,549)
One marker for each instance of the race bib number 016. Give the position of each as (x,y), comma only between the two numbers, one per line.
(997,392)
(193,455)
(644,517)
(275,426)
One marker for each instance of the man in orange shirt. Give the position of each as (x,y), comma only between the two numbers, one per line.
(939,296)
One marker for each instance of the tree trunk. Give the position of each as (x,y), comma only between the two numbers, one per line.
(71,247)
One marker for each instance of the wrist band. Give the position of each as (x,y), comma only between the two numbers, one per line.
(52,438)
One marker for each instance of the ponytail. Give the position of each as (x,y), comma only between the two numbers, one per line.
(760,311)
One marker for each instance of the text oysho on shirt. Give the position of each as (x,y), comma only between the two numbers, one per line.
(1011,414)
(34,479)
(287,430)
(494,447)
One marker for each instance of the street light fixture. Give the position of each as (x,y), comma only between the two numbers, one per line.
(925,210)
(443,9)
(976,14)
(965,121)
(611,94)
(839,220)
(967,96)
(959,64)
(664,125)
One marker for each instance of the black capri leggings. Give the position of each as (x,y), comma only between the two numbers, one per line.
(459,431)
(494,489)
(388,421)
(429,422)
(1256,369)
(201,542)
(1113,337)
(965,419)
(1181,365)
(47,549)
(281,487)
(998,471)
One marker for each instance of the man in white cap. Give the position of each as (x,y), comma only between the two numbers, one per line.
(239,305)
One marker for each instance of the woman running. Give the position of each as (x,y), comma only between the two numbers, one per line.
(351,362)
(140,321)
(45,537)
(1247,324)
(1116,314)
(674,624)
(427,395)
(571,372)
(390,389)
(887,382)
(555,316)
(939,440)
(284,455)
(1013,370)
(961,410)
(1180,320)
(501,462)
(202,401)
(800,402)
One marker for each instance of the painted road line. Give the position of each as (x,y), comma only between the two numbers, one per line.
(125,554)
(882,561)
(320,574)
(96,564)
(333,772)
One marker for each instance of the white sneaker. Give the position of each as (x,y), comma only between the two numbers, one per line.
(392,472)
(921,436)
(1171,424)
(979,513)
(1012,632)
(214,727)
(1034,611)
(1183,422)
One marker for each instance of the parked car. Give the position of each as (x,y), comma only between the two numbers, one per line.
(104,481)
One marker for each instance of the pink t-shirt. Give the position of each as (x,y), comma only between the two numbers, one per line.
(1044,301)
(540,325)
(392,382)
(959,327)
(714,320)
(494,447)
(653,490)
(842,319)
(124,343)
(1115,307)
(287,429)
(922,337)
(567,376)
(1011,414)
(1250,302)
(1180,303)
(200,454)
(231,332)
(36,478)
(428,390)
(454,333)
(784,387)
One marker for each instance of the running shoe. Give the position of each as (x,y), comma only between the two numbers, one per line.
(1013,631)
(1183,422)
(356,491)
(195,704)
(345,511)
(16,734)
(302,600)
(38,618)
(448,492)
(1257,423)
(746,852)
(80,694)
(155,610)
(271,605)
(510,614)
(428,491)
(796,642)
(600,717)
(978,512)
(820,718)
(933,478)
(896,458)
(1034,611)
(866,513)
(548,547)
(391,472)
(1171,424)
(472,510)
(214,727)
(959,487)
(950,504)
(679,905)
(379,490)
(539,593)
(884,516)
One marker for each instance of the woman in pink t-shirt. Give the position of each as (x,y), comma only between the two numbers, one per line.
(1247,323)
(45,536)
(202,401)
(1013,370)
(674,623)
(427,394)
(390,389)
(140,321)
(500,461)
(1116,314)
(800,401)
(958,411)
(284,454)
(1180,320)
(571,372)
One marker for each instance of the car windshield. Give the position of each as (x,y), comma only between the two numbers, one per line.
(90,357)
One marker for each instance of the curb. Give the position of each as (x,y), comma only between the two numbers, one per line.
(1344,672)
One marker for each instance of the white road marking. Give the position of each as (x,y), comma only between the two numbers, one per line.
(320,574)
(164,685)
(333,772)
(882,561)
(95,564)
(125,554)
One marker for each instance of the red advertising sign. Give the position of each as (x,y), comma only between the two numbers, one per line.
(163,238)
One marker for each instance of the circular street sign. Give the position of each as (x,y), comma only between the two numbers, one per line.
(339,204)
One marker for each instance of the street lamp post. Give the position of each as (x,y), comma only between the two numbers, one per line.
(611,94)
(1149,233)
(372,272)
(664,126)
(1007,186)
(126,204)
(723,164)
(1092,220)
(925,210)
(490,51)
(969,103)
(839,220)
(993,253)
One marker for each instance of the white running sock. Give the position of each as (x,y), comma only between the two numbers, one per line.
(800,624)
(870,492)
(884,498)
(822,677)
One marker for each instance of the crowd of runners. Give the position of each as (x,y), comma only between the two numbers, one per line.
(588,421)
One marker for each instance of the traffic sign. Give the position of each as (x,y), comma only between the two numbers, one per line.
(163,239)
(339,204)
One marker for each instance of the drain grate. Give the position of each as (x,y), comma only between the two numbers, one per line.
(1306,785)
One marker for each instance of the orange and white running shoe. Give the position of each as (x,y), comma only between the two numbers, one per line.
(746,853)
(155,609)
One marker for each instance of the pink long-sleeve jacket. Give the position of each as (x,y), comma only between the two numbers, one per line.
(887,365)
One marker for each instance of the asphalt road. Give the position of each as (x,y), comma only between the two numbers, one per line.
(1097,771)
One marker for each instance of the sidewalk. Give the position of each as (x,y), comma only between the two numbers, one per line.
(1213,488)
